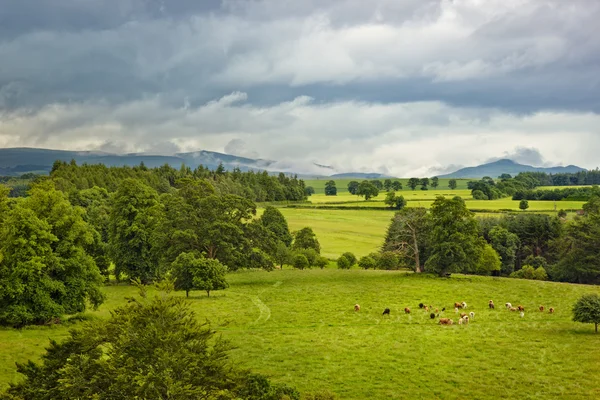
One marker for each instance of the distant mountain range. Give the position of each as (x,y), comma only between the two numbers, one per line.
(505,166)
(18,161)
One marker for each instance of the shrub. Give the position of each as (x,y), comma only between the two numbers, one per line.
(587,310)
(479,195)
(366,262)
(351,257)
(343,263)
(321,262)
(388,261)
(528,272)
(540,274)
(311,255)
(300,261)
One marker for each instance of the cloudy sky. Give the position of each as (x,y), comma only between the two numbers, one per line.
(398,86)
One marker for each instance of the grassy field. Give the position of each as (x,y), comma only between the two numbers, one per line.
(299,328)
(342,184)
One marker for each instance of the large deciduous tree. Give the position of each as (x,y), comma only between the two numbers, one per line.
(435,182)
(305,238)
(368,190)
(275,222)
(135,215)
(330,188)
(413,183)
(45,271)
(408,235)
(191,271)
(455,242)
(353,187)
(452,184)
(506,244)
(587,310)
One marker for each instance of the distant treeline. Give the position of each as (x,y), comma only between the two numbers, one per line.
(574,194)
(255,186)
(591,177)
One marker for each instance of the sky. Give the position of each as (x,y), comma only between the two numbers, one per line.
(402,87)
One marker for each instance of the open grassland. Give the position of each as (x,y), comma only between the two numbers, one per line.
(299,327)
(409,195)
(342,184)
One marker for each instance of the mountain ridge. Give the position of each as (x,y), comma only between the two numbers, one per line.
(506,166)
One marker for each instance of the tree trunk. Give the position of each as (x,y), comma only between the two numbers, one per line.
(187,293)
(596,327)
(417,260)
(208,293)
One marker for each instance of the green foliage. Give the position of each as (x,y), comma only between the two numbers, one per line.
(408,236)
(452,184)
(506,244)
(529,272)
(366,262)
(479,195)
(435,182)
(587,310)
(396,185)
(455,242)
(45,271)
(368,190)
(148,349)
(305,238)
(194,272)
(388,260)
(413,183)
(321,262)
(353,187)
(282,254)
(134,217)
(489,262)
(310,254)
(275,222)
(343,263)
(330,189)
(562,214)
(320,395)
(395,202)
(424,183)
(299,261)
(387,185)
(309,190)
(351,257)
(524,205)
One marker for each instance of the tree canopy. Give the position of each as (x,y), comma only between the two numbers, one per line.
(587,310)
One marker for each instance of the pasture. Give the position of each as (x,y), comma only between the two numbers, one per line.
(300,328)
(342,184)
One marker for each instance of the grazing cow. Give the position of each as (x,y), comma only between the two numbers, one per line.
(464,305)
(460,321)
(462,315)
(472,314)
(421,305)
(386,312)
(522,314)
(444,309)
(407,310)
(551,310)
(457,305)
(437,311)
(465,320)
(455,309)
(508,305)
(521,308)
(432,316)
(542,308)
(446,321)
(491,305)
(356,307)
(426,308)
(512,309)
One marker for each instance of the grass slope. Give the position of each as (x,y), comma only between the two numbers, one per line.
(299,327)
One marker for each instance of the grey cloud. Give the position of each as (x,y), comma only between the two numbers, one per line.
(526,155)
(238,147)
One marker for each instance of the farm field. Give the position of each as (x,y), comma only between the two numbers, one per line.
(342,184)
(299,328)
(408,195)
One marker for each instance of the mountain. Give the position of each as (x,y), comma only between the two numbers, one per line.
(505,166)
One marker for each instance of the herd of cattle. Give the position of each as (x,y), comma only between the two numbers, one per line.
(463,317)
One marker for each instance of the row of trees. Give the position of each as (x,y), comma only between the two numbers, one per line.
(450,239)
(574,194)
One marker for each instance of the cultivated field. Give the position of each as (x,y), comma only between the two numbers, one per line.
(299,328)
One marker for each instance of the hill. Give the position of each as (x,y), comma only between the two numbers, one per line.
(505,166)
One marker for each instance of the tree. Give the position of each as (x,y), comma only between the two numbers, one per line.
(309,190)
(396,185)
(435,182)
(452,184)
(524,205)
(562,214)
(587,310)
(368,190)
(305,238)
(393,201)
(343,262)
(377,183)
(330,189)
(408,235)
(479,195)
(424,183)
(388,260)
(275,222)
(506,244)
(45,271)
(300,261)
(353,187)
(387,184)
(351,257)
(366,262)
(282,254)
(134,216)
(490,261)
(321,262)
(413,183)
(194,272)
(505,177)
(455,242)
(148,349)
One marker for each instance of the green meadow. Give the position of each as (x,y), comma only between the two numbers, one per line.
(342,184)
(300,328)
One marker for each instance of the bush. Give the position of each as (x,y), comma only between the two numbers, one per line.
(388,261)
(540,274)
(366,262)
(528,272)
(321,262)
(479,195)
(587,310)
(351,257)
(311,255)
(300,261)
(321,395)
(343,263)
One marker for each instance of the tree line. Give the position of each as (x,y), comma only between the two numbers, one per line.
(449,238)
